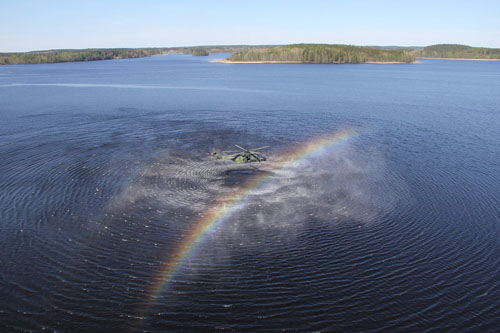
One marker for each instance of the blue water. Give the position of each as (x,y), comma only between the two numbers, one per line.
(105,169)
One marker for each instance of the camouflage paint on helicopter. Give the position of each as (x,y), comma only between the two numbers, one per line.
(244,156)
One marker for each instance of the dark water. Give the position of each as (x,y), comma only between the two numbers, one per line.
(104,171)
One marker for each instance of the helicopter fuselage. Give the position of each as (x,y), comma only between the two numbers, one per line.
(243,157)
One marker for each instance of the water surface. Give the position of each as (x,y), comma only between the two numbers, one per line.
(105,170)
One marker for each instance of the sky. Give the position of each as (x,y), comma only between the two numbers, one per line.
(27,25)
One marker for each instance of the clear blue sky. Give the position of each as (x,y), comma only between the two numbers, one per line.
(54,24)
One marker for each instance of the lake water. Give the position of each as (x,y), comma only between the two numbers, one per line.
(378,208)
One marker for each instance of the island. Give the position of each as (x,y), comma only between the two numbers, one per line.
(321,54)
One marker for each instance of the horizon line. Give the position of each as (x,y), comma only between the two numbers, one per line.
(231,45)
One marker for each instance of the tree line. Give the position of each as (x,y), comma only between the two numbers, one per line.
(53,56)
(306,53)
(200,52)
(458,51)
(40,57)
(323,53)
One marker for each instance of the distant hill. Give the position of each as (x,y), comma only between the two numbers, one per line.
(395,47)
(322,54)
(458,51)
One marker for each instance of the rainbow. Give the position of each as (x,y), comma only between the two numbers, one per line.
(225,207)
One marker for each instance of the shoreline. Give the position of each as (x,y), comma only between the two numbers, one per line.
(225,61)
(468,59)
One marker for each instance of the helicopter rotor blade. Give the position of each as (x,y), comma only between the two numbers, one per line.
(240,147)
(256,157)
(260,148)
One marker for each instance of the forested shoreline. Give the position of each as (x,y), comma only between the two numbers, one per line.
(458,51)
(300,53)
(56,56)
(41,57)
(200,52)
(322,53)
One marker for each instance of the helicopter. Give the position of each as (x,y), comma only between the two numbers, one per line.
(242,156)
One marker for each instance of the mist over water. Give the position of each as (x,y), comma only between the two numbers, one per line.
(106,169)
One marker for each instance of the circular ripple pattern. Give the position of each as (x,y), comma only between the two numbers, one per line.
(396,230)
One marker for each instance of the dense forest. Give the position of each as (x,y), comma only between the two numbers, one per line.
(200,52)
(52,56)
(458,51)
(323,53)
(39,57)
